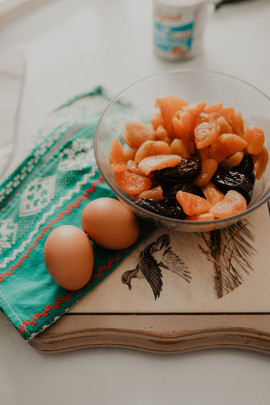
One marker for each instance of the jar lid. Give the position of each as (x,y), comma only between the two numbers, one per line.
(181,3)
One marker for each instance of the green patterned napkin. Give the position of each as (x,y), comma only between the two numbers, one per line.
(50,188)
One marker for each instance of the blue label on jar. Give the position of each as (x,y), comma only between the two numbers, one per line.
(176,40)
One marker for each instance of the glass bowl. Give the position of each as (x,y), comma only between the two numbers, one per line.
(137,103)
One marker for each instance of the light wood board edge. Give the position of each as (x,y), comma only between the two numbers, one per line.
(161,333)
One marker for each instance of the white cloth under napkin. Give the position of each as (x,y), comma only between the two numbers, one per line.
(11,84)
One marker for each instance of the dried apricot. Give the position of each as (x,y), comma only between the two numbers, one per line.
(237,124)
(168,107)
(232,143)
(166,115)
(137,133)
(218,152)
(153,194)
(116,157)
(260,162)
(118,167)
(178,129)
(128,141)
(233,160)
(206,133)
(187,124)
(202,217)
(212,193)
(226,145)
(204,117)
(132,167)
(117,152)
(254,136)
(196,108)
(174,103)
(179,147)
(162,134)
(158,162)
(157,120)
(190,146)
(228,114)
(208,168)
(232,204)
(225,127)
(152,148)
(132,183)
(130,154)
(204,153)
(213,108)
(192,204)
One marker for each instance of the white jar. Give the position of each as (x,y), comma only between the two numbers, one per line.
(179,27)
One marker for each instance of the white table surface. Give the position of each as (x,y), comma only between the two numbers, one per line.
(70,46)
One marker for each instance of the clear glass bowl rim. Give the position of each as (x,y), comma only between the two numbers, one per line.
(157,217)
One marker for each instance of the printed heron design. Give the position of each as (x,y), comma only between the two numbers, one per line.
(230,250)
(156,256)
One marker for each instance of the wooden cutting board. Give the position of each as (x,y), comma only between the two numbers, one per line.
(189,291)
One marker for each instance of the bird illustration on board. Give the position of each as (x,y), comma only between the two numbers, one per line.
(156,256)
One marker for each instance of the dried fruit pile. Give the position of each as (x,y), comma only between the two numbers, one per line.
(193,162)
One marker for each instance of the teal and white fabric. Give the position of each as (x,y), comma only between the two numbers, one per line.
(50,188)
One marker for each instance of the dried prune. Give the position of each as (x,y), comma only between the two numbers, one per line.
(187,170)
(170,190)
(167,207)
(252,178)
(231,180)
(246,166)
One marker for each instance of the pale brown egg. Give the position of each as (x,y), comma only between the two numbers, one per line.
(69,257)
(110,224)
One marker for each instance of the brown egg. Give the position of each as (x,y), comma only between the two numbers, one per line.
(110,224)
(69,257)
